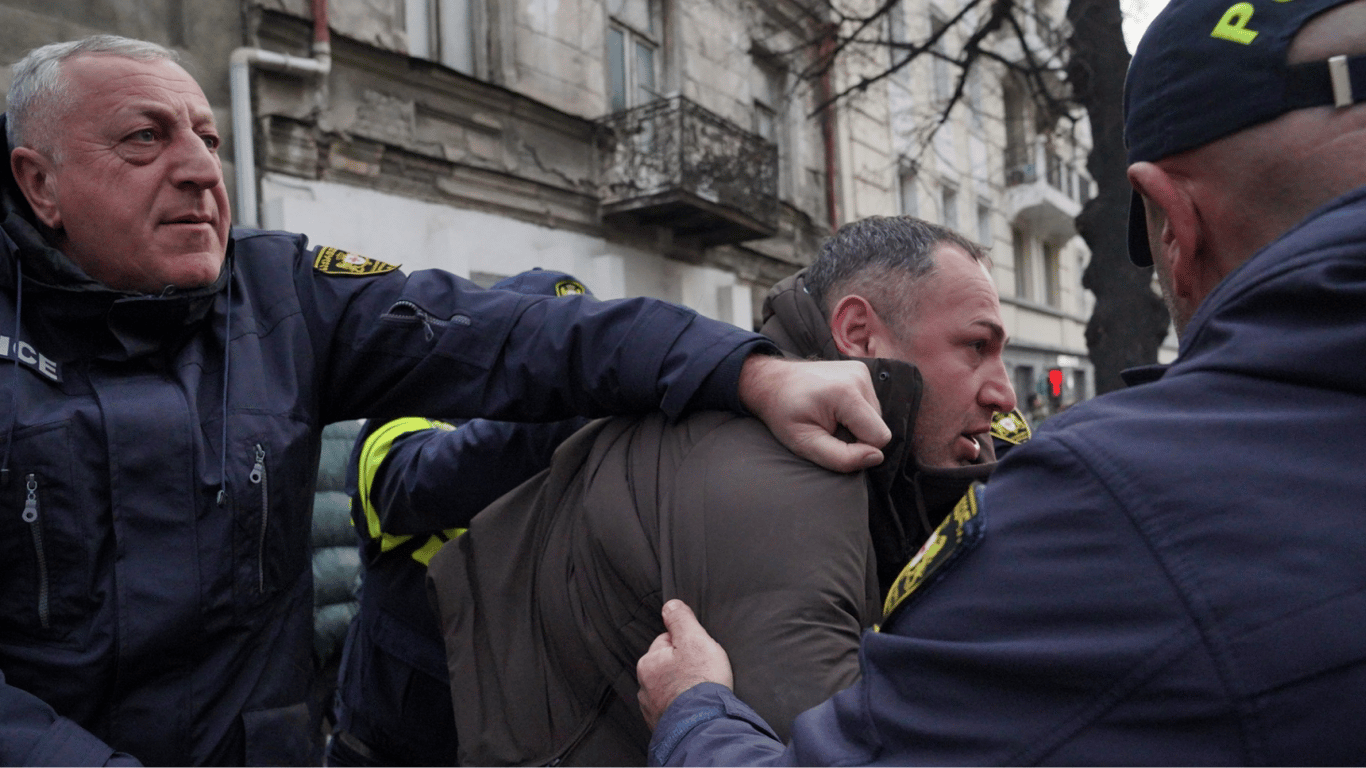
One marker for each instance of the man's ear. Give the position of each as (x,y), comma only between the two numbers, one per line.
(34,173)
(855,326)
(1174,229)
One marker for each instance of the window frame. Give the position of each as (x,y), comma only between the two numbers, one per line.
(632,92)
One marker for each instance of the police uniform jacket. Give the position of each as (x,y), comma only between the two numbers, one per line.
(555,591)
(1171,574)
(158,454)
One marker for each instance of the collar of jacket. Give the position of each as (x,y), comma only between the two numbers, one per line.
(793,320)
(74,316)
(906,501)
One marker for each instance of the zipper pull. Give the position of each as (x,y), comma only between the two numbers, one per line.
(258,471)
(31,503)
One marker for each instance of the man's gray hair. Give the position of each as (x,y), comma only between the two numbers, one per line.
(883,259)
(38,92)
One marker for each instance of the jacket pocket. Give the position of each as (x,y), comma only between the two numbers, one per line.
(271,495)
(47,547)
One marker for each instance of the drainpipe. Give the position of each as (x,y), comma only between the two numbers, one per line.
(239,82)
(826,91)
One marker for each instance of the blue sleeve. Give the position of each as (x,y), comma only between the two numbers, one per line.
(32,733)
(435,344)
(436,479)
(708,725)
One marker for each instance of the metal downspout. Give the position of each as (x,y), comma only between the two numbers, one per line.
(239,84)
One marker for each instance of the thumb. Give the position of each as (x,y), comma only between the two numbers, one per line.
(680,621)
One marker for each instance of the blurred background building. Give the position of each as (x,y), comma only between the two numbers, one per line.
(681,150)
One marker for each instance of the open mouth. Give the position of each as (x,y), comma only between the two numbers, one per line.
(970,449)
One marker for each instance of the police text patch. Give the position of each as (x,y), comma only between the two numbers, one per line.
(959,533)
(1010,427)
(331,261)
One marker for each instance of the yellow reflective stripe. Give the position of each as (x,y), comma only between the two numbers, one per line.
(426,552)
(372,455)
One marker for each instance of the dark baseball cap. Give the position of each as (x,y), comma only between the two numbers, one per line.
(1209,68)
(543,282)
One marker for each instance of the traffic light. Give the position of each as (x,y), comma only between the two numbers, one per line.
(1055,381)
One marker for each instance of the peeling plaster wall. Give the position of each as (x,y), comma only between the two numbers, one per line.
(419,235)
(520,142)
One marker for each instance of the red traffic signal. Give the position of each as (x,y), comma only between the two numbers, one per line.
(1055,380)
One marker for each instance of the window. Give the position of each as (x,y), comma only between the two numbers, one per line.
(984,233)
(1024,383)
(442,30)
(1019,149)
(939,54)
(910,202)
(975,97)
(1052,279)
(1078,384)
(950,211)
(1024,283)
(767,88)
(896,22)
(632,53)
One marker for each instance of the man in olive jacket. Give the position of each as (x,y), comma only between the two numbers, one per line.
(556,589)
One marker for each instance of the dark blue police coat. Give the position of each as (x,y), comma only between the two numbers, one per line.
(158,455)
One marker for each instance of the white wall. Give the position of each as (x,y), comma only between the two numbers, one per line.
(421,235)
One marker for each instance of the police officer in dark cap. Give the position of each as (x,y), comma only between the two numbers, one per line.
(1170,574)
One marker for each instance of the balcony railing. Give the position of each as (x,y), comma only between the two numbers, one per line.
(1024,163)
(1043,189)
(671,163)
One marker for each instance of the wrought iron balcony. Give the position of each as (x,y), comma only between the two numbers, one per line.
(1042,190)
(671,163)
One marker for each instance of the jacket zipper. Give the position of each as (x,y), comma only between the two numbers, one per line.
(418,313)
(258,477)
(35,528)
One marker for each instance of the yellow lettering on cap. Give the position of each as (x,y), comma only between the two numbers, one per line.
(1233,25)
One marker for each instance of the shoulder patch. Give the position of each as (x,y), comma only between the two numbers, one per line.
(331,261)
(1011,427)
(959,533)
(567,287)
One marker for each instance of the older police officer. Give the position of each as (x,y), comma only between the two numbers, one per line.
(159,425)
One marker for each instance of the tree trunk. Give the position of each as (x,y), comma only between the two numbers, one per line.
(1129,321)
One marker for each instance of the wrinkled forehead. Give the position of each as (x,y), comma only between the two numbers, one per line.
(100,85)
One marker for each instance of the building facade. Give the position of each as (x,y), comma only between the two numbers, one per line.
(1003,172)
(664,148)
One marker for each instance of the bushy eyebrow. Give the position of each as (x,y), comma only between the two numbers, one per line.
(997,332)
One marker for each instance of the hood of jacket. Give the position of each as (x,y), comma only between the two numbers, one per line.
(906,501)
(73,315)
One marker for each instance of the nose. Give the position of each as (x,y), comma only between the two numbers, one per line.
(195,165)
(996,392)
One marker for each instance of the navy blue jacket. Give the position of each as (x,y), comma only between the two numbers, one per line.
(414,484)
(1168,574)
(158,456)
